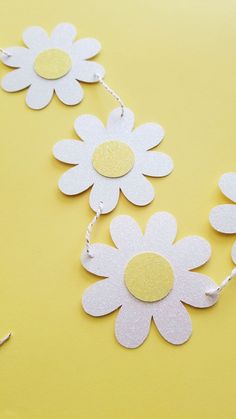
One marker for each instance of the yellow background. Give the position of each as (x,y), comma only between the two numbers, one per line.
(173,62)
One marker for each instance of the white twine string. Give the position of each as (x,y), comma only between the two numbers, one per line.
(4,52)
(90,229)
(3,340)
(112,92)
(224,283)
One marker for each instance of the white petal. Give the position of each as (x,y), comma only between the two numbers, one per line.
(36,38)
(75,180)
(125,232)
(132,325)
(106,191)
(192,288)
(102,298)
(90,129)
(63,35)
(118,125)
(161,228)
(173,322)
(39,94)
(69,151)
(86,48)
(147,136)
(19,55)
(227,185)
(223,218)
(69,91)
(137,189)
(15,80)
(156,164)
(191,252)
(87,70)
(105,260)
(233,253)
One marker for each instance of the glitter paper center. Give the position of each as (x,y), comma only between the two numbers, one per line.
(113,159)
(149,277)
(52,64)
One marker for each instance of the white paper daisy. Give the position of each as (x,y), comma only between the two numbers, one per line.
(223,217)
(148,276)
(52,63)
(112,158)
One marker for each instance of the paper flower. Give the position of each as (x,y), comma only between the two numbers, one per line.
(52,63)
(223,217)
(148,276)
(112,158)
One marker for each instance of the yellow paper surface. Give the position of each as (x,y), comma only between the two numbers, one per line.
(172,62)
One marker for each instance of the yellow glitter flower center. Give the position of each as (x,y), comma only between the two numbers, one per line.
(52,64)
(149,277)
(113,159)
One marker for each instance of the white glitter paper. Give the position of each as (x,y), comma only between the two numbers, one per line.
(169,314)
(223,217)
(41,90)
(135,186)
